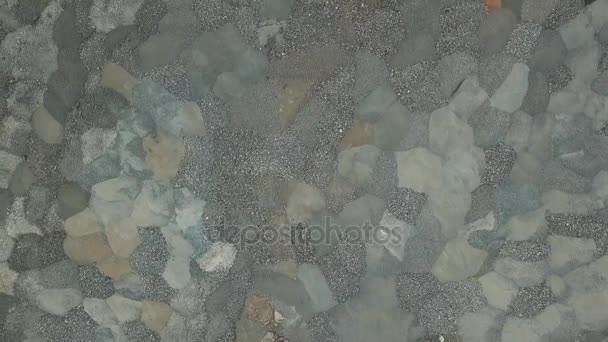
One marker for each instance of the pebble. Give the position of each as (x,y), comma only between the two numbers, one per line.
(419,169)
(219,257)
(454,69)
(113,199)
(71,199)
(87,249)
(569,252)
(480,326)
(537,97)
(8,165)
(449,133)
(82,224)
(498,290)
(189,209)
(510,95)
(8,277)
(124,308)
(523,274)
(114,267)
(58,301)
(155,315)
(46,127)
(99,311)
(495,30)
(458,261)
(164,155)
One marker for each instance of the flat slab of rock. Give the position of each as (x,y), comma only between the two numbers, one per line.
(510,95)
(458,261)
(58,301)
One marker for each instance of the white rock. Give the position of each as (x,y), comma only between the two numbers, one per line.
(219,257)
(578,31)
(590,278)
(177,272)
(458,261)
(524,227)
(397,234)
(8,164)
(554,322)
(480,326)
(112,200)
(376,104)
(58,301)
(99,311)
(590,309)
(599,14)
(462,171)
(599,185)
(304,203)
(487,223)
(316,286)
(154,205)
(449,133)
(83,223)
(468,98)
(6,245)
(123,237)
(450,209)
(97,142)
(523,274)
(188,209)
(583,62)
(176,243)
(107,15)
(7,279)
(419,169)
(519,131)
(510,95)
(557,286)
(16,223)
(356,164)
(568,252)
(124,309)
(570,100)
(557,201)
(498,290)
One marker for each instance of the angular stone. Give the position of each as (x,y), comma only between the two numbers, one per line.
(584,61)
(46,127)
(8,277)
(495,30)
(16,224)
(317,288)
(569,252)
(419,169)
(124,309)
(454,69)
(577,32)
(462,171)
(458,261)
(107,15)
(356,164)
(469,96)
(413,50)
(99,311)
(498,290)
(97,142)
(220,257)
(155,315)
(523,274)
(526,226)
(154,205)
(71,199)
(450,209)
(22,179)
(164,155)
(448,133)
(114,267)
(123,237)
(304,203)
(83,223)
(189,209)
(376,104)
(8,164)
(510,95)
(112,200)
(58,301)
(87,249)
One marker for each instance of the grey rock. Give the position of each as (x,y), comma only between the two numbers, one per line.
(537,98)
(370,73)
(375,105)
(600,84)
(38,201)
(6,246)
(489,125)
(515,200)
(531,301)
(454,69)
(415,289)
(276,9)
(66,85)
(499,159)
(65,31)
(8,165)
(58,301)
(112,200)
(316,287)
(62,274)
(154,205)
(413,50)
(495,30)
(524,274)
(136,331)
(493,71)
(557,177)
(22,179)
(549,53)
(422,16)
(33,251)
(71,199)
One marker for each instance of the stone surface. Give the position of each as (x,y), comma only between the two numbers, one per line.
(7,279)
(454,69)
(16,223)
(112,200)
(419,169)
(219,257)
(8,164)
(83,223)
(468,97)
(523,274)
(107,15)
(164,155)
(114,267)
(569,252)
(96,142)
(46,127)
(356,164)
(154,205)
(58,301)
(71,199)
(87,249)
(155,315)
(526,226)
(316,286)
(124,308)
(495,30)
(123,237)
(498,290)
(510,95)
(458,261)
(304,203)
(22,179)
(448,133)
(99,311)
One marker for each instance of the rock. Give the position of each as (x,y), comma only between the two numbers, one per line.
(495,30)
(87,249)
(293,96)
(493,71)
(188,209)
(450,209)
(569,252)
(7,279)
(490,125)
(415,49)
(164,155)
(462,172)
(519,131)
(599,185)
(454,69)
(22,180)
(370,73)
(16,224)
(124,309)
(155,315)
(498,290)
(537,98)
(46,126)
(560,202)
(555,322)
(114,267)
(480,326)
(83,223)
(396,236)
(107,15)
(590,309)
(419,169)
(357,164)
(584,61)
(600,84)
(458,261)
(526,226)
(71,199)
(275,9)
(99,311)
(578,32)
(510,95)
(556,285)
(123,237)
(58,301)
(115,77)
(159,49)
(14,134)
(448,133)
(219,257)
(150,257)
(113,199)
(97,142)
(154,205)
(558,177)
(375,105)
(304,203)
(523,274)
(316,287)
(9,164)
(38,201)
(537,11)
(6,246)
(467,98)
(177,271)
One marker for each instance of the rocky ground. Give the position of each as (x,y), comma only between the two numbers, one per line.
(147,146)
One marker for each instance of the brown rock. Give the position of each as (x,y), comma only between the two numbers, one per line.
(155,315)
(123,237)
(293,95)
(358,134)
(87,249)
(164,155)
(82,224)
(259,309)
(115,267)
